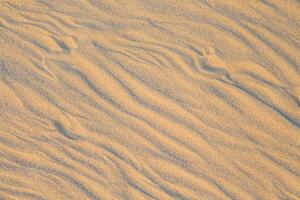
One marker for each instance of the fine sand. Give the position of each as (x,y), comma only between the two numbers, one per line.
(150,99)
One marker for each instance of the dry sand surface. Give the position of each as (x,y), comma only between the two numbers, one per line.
(150,99)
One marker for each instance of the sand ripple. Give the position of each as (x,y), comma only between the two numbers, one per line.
(143,99)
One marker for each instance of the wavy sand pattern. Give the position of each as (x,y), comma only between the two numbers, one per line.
(149,99)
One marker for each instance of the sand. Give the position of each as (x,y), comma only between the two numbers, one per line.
(150,99)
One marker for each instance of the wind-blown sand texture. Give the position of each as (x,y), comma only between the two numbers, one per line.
(149,99)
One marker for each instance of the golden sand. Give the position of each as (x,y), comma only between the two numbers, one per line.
(150,99)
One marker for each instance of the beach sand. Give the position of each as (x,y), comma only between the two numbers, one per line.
(150,99)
